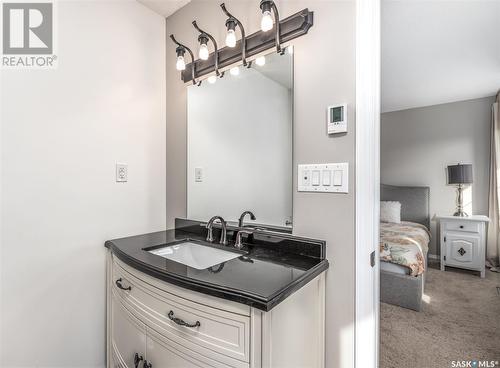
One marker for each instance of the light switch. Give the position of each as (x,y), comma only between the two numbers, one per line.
(323,178)
(327,178)
(337,178)
(316,178)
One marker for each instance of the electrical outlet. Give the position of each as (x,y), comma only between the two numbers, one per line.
(198,174)
(121,173)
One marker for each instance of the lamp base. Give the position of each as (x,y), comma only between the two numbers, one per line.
(460,214)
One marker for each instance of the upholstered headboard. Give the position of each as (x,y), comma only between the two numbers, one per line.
(414,202)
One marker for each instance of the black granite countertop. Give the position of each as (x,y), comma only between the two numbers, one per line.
(270,267)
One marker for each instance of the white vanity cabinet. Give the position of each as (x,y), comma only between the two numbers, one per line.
(171,327)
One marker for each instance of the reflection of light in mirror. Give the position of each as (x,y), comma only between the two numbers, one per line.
(426,299)
(289,49)
(260,61)
(212,79)
(235,71)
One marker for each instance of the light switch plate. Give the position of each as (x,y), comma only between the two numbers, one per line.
(333,178)
(121,173)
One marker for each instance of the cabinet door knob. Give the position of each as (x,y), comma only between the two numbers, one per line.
(180,322)
(119,284)
(137,360)
(147,364)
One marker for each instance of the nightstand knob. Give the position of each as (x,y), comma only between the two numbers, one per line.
(462,251)
(461,226)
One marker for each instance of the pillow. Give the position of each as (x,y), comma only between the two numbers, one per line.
(390,211)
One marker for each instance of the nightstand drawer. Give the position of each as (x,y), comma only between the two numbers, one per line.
(472,227)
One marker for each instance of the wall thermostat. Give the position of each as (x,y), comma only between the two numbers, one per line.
(337,119)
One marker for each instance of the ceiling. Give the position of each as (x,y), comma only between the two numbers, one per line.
(164,7)
(436,52)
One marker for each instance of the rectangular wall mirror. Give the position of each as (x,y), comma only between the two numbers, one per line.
(240,137)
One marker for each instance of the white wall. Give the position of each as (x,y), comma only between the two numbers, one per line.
(62,132)
(240,134)
(324,73)
(418,144)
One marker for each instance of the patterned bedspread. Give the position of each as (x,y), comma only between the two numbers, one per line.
(405,244)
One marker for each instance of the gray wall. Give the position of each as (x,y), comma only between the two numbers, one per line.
(418,144)
(324,62)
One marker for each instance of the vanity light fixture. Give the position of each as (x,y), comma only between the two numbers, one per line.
(181,64)
(266,23)
(203,53)
(231,24)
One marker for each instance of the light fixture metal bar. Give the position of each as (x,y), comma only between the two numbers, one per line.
(292,27)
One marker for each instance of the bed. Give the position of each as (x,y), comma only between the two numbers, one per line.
(397,284)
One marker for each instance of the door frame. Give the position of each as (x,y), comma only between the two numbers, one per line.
(367,182)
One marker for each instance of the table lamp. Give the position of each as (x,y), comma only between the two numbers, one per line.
(461,176)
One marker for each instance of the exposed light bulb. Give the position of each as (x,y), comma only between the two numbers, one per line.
(231,38)
(212,79)
(181,64)
(260,61)
(266,24)
(203,53)
(234,71)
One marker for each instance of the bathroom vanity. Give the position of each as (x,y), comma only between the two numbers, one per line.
(264,307)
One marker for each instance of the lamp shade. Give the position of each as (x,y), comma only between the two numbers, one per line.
(460,174)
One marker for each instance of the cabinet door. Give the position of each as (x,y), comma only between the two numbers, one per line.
(128,336)
(165,353)
(462,250)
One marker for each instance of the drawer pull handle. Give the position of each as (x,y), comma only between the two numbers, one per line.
(180,322)
(147,365)
(461,226)
(462,251)
(137,360)
(119,284)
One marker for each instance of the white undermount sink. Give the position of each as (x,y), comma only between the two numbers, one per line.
(194,255)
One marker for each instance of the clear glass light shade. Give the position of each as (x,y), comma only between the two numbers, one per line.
(266,24)
(181,64)
(212,79)
(203,53)
(235,71)
(231,38)
(260,61)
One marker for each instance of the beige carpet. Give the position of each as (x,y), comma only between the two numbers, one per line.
(459,321)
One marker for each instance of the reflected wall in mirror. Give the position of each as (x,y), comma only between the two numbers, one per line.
(240,132)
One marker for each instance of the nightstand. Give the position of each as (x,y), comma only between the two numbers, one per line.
(463,242)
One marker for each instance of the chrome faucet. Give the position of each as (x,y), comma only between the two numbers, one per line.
(242,217)
(209,226)
(238,244)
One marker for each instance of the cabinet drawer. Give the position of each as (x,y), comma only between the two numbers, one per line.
(196,326)
(472,227)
